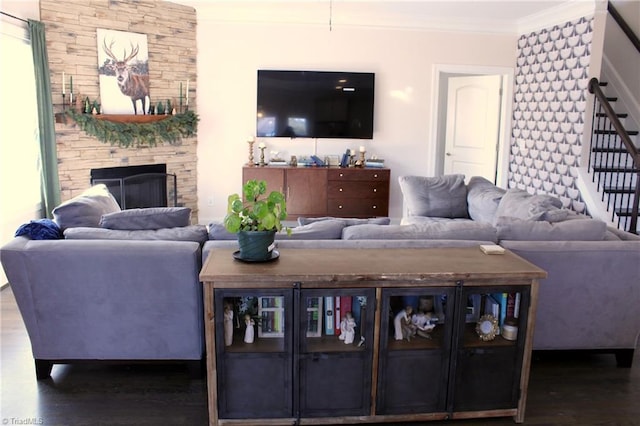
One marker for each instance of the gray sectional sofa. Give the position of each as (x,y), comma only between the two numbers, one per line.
(124,285)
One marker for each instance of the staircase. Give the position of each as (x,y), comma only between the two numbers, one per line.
(615,160)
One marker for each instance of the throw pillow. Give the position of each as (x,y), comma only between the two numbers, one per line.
(148,218)
(468,230)
(483,198)
(510,228)
(197,233)
(86,209)
(522,205)
(441,196)
(347,221)
(40,229)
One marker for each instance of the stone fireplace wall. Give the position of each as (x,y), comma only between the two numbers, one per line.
(70,29)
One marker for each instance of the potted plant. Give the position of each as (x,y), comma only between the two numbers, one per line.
(255,218)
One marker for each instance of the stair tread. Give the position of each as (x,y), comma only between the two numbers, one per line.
(613,132)
(615,169)
(618,114)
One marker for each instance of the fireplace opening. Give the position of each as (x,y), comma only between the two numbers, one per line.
(139,186)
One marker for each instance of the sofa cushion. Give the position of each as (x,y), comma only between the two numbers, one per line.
(522,205)
(463,230)
(510,228)
(86,209)
(347,221)
(147,218)
(483,198)
(197,233)
(320,230)
(40,229)
(440,196)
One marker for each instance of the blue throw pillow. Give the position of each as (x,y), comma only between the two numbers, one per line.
(40,229)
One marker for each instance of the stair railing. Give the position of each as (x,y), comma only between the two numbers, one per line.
(618,161)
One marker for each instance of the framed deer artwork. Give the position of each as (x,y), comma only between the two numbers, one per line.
(123,71)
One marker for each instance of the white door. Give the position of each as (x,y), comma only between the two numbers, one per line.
(473,126)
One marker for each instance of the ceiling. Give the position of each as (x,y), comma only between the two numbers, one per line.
(459,15)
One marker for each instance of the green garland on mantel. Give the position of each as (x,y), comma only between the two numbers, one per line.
(126,135)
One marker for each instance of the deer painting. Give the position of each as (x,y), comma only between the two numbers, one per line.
(136,86)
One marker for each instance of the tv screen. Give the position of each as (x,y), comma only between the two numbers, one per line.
(315,104)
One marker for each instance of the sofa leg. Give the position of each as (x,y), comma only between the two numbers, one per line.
(43,369)
(624,358)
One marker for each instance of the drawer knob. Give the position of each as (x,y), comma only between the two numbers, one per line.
(340,189)
(375,207)
(339,207)
(375,189)
(375,175)
(341,174)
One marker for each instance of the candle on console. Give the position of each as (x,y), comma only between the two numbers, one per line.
(361,148)
(261,145)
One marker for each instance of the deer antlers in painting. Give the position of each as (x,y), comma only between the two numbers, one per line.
(135,86)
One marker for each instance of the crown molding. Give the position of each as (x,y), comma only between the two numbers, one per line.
(564,12)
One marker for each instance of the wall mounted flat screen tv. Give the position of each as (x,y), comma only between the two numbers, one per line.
(315,104)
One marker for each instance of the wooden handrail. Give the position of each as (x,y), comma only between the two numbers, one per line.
(624,26)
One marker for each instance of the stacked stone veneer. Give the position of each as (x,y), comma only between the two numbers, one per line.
(70,28)
(552,76)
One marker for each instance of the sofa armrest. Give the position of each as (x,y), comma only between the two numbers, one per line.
(591,295)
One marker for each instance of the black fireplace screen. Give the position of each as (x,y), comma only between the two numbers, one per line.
(139,186)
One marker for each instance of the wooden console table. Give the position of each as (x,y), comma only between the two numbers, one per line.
(327,191)
(290,365)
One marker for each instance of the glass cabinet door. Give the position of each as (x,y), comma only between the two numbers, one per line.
(335,352)
(253,350)
(415,342)
(490,346)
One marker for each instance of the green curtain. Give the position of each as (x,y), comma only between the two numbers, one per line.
(50,182)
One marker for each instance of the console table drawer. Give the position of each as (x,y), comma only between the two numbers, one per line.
(358,189)
(359,174)
(358,207)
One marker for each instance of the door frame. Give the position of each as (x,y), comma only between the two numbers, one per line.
(439,113)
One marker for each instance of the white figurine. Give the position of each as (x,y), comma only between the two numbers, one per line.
(249,332)
(347,328)
(228,324)
(402,324)
(423,322)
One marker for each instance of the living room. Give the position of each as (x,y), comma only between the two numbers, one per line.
(228,44)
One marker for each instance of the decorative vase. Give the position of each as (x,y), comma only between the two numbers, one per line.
(254,245)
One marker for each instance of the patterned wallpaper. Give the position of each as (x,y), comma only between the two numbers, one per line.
(550,96)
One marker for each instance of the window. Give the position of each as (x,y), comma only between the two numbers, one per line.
(19,135)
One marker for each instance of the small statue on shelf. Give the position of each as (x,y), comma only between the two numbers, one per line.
(403,327)
(228,324)
(249,332)
(424,323)
(347,328)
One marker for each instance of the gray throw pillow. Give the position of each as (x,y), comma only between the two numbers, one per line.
(217,231)
(440,196)
(510,228)
(86,209)
(147,218)
(197,233)
(483,198)
(522,205)
(347,221)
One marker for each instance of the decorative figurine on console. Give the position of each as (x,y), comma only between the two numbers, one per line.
(403,327)
(424,323)
(228,324)
(262,147)
(347,328)
(251,140)
(249,331)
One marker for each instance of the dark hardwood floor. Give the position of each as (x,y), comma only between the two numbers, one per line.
(565,389)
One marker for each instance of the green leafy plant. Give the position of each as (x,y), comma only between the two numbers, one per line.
(170,130)
(256,212)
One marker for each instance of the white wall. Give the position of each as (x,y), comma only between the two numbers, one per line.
(229,53)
